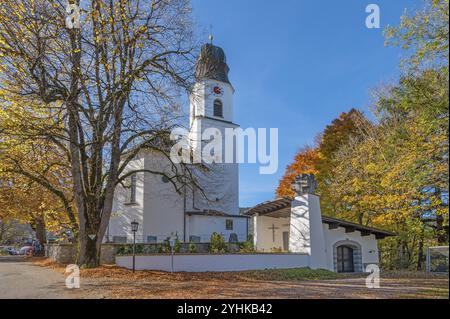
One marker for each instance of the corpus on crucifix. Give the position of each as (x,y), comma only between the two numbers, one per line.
(273,228)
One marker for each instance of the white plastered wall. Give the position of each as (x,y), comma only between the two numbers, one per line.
(306,230)
(264,233)
(202,100)
(163,206)
(220,184)
(204,226)
(123,213)
(214,263)
(158,209)
(369,245)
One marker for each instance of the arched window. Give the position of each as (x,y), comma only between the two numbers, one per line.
(218,108)
(132,189)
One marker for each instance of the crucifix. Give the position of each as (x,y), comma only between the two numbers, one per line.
(273,228)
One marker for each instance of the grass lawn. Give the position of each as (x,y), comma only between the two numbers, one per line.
(292,274)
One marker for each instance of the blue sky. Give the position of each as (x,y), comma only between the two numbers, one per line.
(296,65)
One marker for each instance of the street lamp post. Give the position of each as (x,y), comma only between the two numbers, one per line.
(134,229)
(172,245)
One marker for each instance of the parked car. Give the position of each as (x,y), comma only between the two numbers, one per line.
(12,251)
(25,250)
(8,250)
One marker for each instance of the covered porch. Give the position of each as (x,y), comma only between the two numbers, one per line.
(297,226)
(271,225)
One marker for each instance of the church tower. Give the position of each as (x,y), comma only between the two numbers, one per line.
(211,107)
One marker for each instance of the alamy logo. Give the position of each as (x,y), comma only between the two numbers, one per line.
(373,19)
(227,146)
(73,16)
(373,280)
(73,277)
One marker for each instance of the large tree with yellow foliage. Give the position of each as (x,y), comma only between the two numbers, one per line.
(108,89)
(35,183)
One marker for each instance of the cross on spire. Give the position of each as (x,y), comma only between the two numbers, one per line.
(211,37)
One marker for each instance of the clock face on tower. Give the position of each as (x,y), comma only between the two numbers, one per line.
(217,90)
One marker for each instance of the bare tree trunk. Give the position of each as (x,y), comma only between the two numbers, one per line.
(89,251)
(38,225)
(89,239)
(88,254)
(420,255)
(441,232)
(2,231)
(360,218)
(41,230)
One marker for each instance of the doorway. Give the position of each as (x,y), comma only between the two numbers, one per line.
(286,241)
(345,259)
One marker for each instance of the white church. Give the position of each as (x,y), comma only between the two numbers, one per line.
(283,226)
(195,215)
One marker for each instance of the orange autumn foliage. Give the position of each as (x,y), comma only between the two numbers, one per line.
(305,162)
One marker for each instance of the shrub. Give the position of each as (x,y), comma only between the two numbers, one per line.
(218,245)
(125,250)
(128,249)
(192,248)
(165,248)
(248,246)
(140,249)
(177,246)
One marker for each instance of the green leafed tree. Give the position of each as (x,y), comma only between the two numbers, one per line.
(393,172)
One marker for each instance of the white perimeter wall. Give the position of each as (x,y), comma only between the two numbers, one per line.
(204,226)
(214,263)
(369,245)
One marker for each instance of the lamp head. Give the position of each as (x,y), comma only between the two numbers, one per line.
(134,226)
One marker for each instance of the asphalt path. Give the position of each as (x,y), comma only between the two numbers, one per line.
(20,279)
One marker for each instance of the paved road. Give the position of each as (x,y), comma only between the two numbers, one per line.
(23,280)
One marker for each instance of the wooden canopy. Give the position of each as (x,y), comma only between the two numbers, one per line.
(281,208)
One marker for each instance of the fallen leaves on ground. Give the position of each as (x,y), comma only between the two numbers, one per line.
(109,281)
